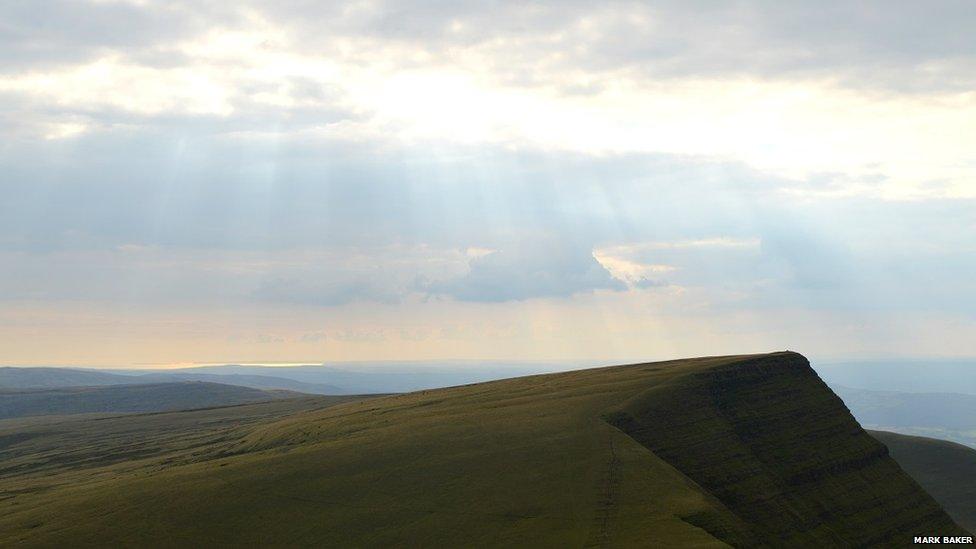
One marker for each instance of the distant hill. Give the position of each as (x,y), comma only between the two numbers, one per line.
(945,469)
(37,378)
(244,380)
(385,377)
(744,451)
(907,376)
(128,398)
(949,416)
(50,378)
(338,379)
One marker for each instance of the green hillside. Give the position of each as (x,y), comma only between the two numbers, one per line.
(742,450)
(42,451)
(945,469)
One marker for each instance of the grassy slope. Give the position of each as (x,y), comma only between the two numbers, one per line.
(44,450)
(945,469)
(527,461)
(129,398)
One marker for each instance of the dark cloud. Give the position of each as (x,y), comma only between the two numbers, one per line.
(876,44)
(530,269)
(203,204)
(319,292)
(188,189)
(645,283)
(37,34)
(188,196)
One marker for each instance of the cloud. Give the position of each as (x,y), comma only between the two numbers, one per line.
(572,45)
(684,158)
(159,277)
(533,269)
(866,98)
(331,222)
(645,283)
(323,293)
(48,33)
(187,190)
(865,44)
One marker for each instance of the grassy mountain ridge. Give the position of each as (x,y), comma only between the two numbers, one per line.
(529,461)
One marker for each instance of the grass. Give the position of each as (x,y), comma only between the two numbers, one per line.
(945,469)
(523,462)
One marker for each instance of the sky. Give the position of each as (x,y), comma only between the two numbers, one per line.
(295,181)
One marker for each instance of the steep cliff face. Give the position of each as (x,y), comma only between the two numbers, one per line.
(768,439)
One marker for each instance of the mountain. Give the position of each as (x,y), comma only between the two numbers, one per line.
(244,380)
(339,379)
(38,378)
(949,416)
(128,398)
(387,377)
(746,451)
(50,378)
(945,469)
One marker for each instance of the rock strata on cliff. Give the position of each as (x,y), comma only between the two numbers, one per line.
(779,450)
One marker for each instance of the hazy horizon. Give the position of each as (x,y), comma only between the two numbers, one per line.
(582,362)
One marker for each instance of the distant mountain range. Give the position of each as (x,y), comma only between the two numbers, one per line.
(386,377)
(39,378)
(948,416)
(908,376)
(51,378)
(366,378)
(933,398)
(244,380)
(129,398)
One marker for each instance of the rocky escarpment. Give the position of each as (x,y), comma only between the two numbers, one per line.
(769,440)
